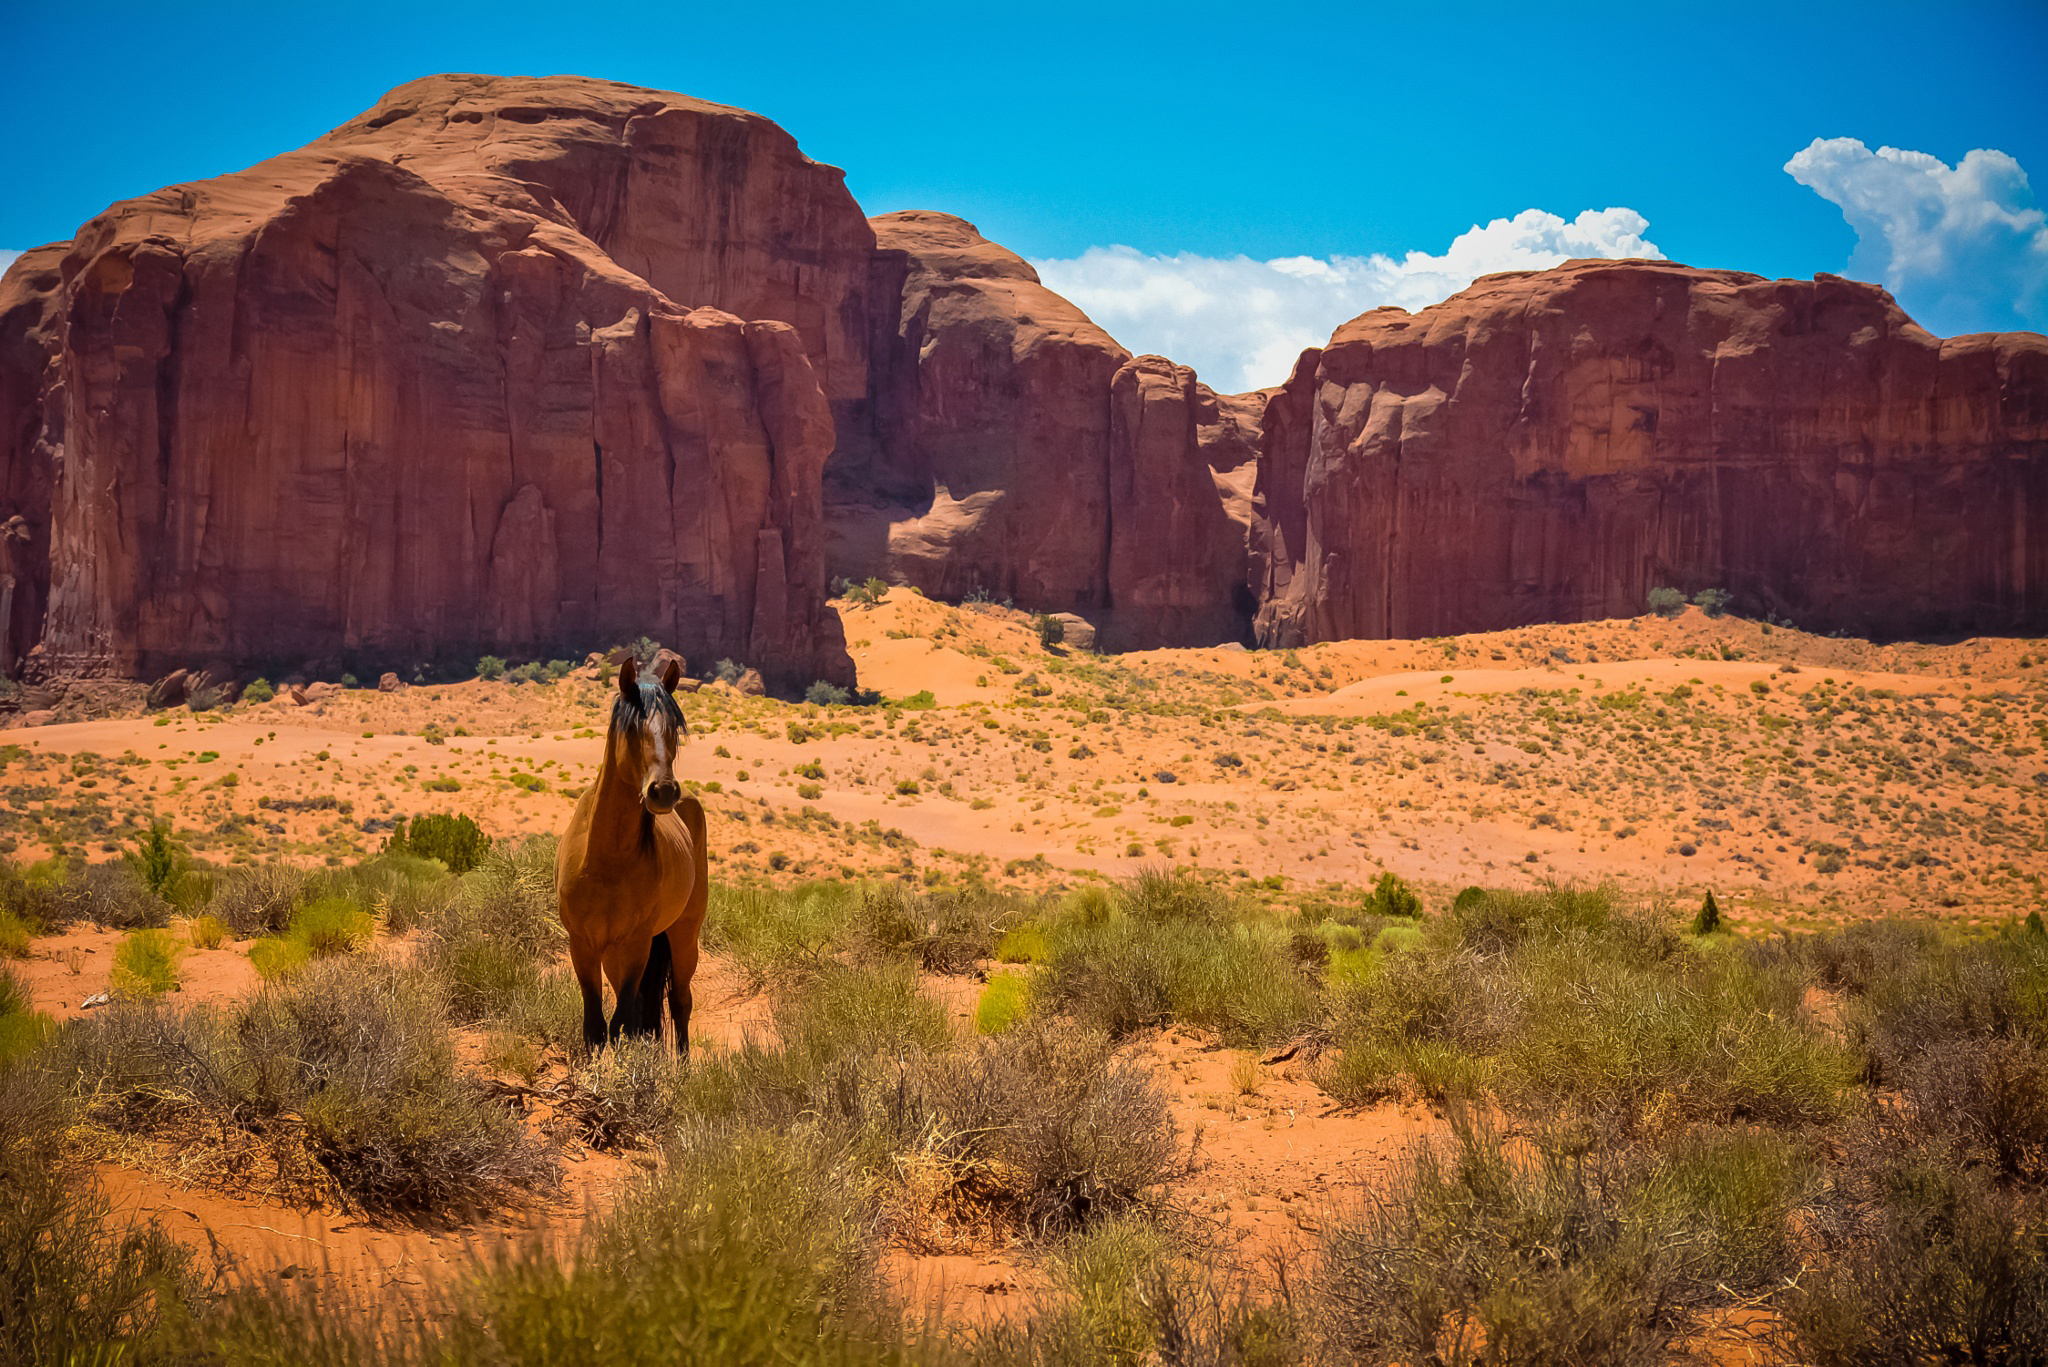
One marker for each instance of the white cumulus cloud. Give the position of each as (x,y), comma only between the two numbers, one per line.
(1961,247)
(1240,323)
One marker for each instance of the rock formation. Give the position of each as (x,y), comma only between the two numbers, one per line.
(1019,452)
(1549,446)
(471,372)
(529,366)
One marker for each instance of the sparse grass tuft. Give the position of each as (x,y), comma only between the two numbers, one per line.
(146,963)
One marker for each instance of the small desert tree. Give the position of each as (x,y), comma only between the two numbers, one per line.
(1667,602)
(1709,919)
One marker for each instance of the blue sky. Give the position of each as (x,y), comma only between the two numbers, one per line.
(1191,135)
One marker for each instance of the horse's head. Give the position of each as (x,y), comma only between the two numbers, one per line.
(647,730)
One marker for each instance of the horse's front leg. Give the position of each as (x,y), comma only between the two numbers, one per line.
(589,969)
(626,967)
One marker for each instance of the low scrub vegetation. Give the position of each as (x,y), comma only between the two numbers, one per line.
(1654,1130)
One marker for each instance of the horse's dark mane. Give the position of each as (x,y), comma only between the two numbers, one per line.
(632,710)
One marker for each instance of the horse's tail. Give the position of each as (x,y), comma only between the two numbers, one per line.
(654,983)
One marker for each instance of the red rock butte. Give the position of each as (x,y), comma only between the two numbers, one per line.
(527,366)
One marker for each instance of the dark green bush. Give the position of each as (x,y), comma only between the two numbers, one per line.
(456,841)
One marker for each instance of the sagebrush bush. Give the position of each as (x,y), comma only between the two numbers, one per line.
(1483,1252)
(358,1053)
(1928,1260)
(494,941)
(1082,1132)
(748,1248)
(110,894)
(1170,948)
(836,1032)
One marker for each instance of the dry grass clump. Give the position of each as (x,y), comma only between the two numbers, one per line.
(1047,1119)
(1924,1256)
(76,1287)
(349,1064)
(944,931)
(260,899)
(1128,1290)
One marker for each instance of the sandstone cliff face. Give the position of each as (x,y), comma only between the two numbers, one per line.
(1020,452)
(991,405)
(472,372)
(1550,446)
(1176,552)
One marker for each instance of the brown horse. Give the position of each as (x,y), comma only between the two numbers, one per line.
(632,879)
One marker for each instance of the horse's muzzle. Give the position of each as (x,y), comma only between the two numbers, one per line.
(662,795)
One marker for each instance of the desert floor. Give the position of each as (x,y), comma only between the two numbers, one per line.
(1804,780)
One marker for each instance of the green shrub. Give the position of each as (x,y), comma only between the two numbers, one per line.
(1051,630)
(1172,949)
(490,667)
(23,1029)
(259,691)
(1713,601)
(456,841)
(775,933)
(1667,602)
(1392,897)
(825,694)
(866,594)
(1496,920)
(333,925)
(748,1248)
(1002,1003)
(1023,943)
(205,932)
(16,936)
(146,963)
(278,956)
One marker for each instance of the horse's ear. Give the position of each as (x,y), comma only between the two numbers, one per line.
(670,671)
(629,676)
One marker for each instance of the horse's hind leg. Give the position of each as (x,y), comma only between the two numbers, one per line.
(653,986)
(590,978)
